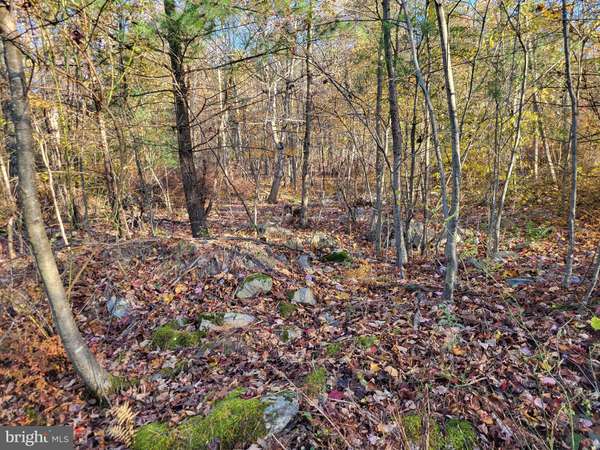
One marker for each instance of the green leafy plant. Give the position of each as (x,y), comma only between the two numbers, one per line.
(535,232)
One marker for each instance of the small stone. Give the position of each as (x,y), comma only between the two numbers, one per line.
(281,409)
(118,307)
(519,281)
(225,321)
(304,262)
(294,243)
(304,296)
(290,334)
(257,283)
(329,319)
(321,241)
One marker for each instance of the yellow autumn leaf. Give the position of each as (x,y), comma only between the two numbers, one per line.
(458,351)
(167,298)
(392,371)
(180,287)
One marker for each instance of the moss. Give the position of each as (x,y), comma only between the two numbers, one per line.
(169,337)
(414,430)
(315,381)
(233,423)
(366,341)
(333,349)
(337,256)
(287,309)
(216,318)
(257,276)
(460,435)
(119,383)
(156,436)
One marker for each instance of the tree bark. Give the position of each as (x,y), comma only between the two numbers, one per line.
(379,157)
(573,147)
(452,222)
(194,186)
(307,123)
(95,377)
(396,138)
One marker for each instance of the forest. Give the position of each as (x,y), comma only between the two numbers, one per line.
(300,224)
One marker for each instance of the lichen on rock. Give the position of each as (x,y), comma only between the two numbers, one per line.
(257,283)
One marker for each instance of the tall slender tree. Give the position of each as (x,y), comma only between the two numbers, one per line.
(396,137)
(93,374)
(453,217)
(195,187)
(573,146)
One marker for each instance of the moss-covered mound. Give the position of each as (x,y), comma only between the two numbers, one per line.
(460,434)
(338,256)
(156,436)
(234,422)
(316,381)
(170,337)
(415,431)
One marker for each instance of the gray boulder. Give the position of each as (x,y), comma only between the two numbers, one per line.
(304,262)
(257,283)
(224,321)
(118,307)
(321,241)
(281,410)
(290,334)
(304,296)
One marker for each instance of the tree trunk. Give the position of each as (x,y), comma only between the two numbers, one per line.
(194,187)
(279,138)
(307,124)
(573,147)
(396,138)
(95,377)
(379,169)
(452,222)
(431,112)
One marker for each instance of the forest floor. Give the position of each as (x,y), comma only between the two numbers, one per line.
(519,363)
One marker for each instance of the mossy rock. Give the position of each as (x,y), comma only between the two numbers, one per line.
(216,318)
(460,435)
(170,337)
(156,436)
(287,309)
(316,381)
(224,321)
(414,430)
(233,423)
(257,283)
(338,256)
(290,334)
